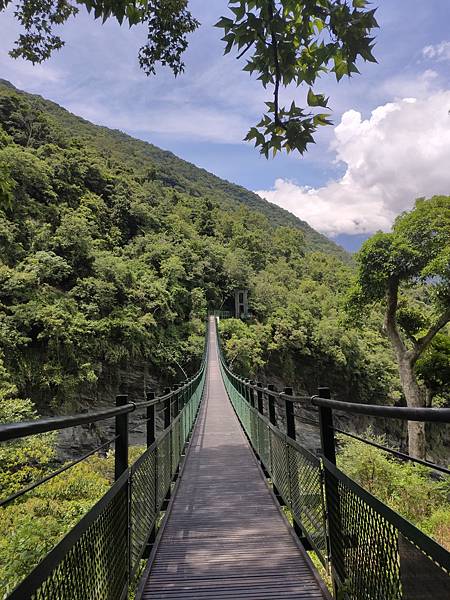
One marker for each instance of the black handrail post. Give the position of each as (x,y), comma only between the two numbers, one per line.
(121,454)
(294,484)
(290,417)
(167,411)
(251,393)
(247,390)
(150,416)
(331,487)
(271,403)
(326,427)
(273,421)
(176,400)
(259,398)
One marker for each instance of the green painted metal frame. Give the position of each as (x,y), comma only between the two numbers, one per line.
(295,472)
(352,532)
(99,558)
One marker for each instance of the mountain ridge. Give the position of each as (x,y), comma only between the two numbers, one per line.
(178,173)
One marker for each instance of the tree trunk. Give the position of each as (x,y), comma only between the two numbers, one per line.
(415,399)
(406,360)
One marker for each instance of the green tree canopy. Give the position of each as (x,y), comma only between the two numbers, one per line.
(285,42)
(409,271)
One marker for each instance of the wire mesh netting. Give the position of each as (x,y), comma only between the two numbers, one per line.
(95,563)
(143,510)
(376,554)
(280,465)
(295,472)
(264,444)
(420,576)
(100,556)
(307,500)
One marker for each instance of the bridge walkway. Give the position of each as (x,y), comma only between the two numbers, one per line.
(225,537)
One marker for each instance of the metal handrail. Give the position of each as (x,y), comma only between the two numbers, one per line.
(404,413)
(430,415)
(22,429)
(180,406)
(372,525)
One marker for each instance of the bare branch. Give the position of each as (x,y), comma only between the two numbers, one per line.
(245,50)
(423,343)
(390,320)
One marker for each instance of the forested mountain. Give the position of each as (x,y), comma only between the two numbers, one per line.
(112,250)
(164,167)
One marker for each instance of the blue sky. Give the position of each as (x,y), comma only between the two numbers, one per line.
(390,143)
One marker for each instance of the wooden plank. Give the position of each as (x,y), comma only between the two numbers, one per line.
(225,538)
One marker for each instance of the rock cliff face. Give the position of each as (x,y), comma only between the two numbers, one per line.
(132,380)
(308,435)
(136,379)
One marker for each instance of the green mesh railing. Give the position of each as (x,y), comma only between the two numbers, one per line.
(372,552)
(100,557)
(296,472)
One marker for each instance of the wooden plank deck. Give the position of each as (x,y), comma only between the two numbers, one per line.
(225,537)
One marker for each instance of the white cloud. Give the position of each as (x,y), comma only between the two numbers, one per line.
(25,75)
(439,52)
(400,153)
(180,121)
(404,85)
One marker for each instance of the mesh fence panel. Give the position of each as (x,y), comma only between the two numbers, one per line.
(420,576)
(307,502)
(143,504)
(95,566)
(176,446)
(280,465)
(253,435)
(375,553)
(98,558)
(378,555)
(364,546)
(164,468)
(264,443)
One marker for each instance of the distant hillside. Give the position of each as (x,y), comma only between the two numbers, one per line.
(174,172)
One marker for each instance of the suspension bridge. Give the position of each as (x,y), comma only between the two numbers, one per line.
(225,503)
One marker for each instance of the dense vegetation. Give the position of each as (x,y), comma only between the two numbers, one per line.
(111,253)
(407,488)
(112,250)
(329,320)
(32,525)
(104,259)
(408,269)
(284,41)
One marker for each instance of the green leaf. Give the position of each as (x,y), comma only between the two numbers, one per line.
(316,99)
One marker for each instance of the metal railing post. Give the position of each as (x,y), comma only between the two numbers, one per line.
(150,416)
(167,411)
(331,488)
(121,454)
(290,417)
(251,393)
(271,403)
(176,400)
(246,390)
(260,399)
(294,483)
(326,427)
